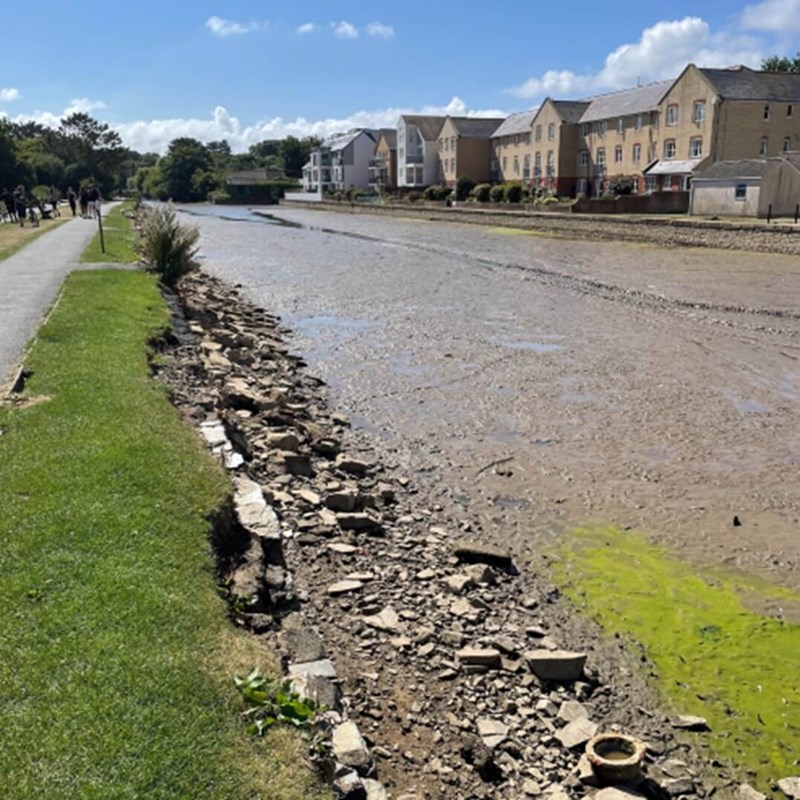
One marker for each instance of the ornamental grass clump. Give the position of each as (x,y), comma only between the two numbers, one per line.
(165,246)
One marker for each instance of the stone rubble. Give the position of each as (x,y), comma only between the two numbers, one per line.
(446,668)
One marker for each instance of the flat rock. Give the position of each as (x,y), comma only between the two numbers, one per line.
(492,732)
(357,521)
(471,552)
(344,587)
(457,584)
(283,441)
(688,722)
(312,498)
(678,786)
(556,665)
(426,575)
(304,644)
(341,501)
(483,656)
(253,511)
(342,549)
(349,746)
(386,620)
(618,793)
(375,789)
(352,465)
(747,792)
(577,733)
(323,669)
(790,787)
(571,710)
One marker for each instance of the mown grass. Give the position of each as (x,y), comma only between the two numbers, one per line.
(118,236)
(13,238)
(715,655)
(116,656)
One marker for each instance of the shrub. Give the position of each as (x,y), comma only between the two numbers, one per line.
(549,200)
(415,197)
(482,193)
(464,185)
(432,193)
(164,245)
(498,193)
(513,193)
(218,196)
(621,184)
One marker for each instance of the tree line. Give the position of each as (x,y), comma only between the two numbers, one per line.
(83,151)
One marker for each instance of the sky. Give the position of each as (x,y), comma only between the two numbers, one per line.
(246,70)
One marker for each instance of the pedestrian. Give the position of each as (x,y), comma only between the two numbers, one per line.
(72,200)
(91,200)
(97,199)
(20,204)
(8,202)
(54,198)
(84,198)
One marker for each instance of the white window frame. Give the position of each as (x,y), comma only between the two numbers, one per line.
(651,183)
(586,128)
(699,111)
(600,159)
(636,153)
(620,124)
(639,122)
(673,149)
(692,142)
(740,197)
(672,115)
(551,132)
(538,135)
(583,158)
(618,156)
(602,127)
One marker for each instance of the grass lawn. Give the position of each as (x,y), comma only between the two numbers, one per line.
(118,235)
(116,656)
(12,237)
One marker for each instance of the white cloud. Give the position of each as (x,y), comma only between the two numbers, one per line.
(662,52)
(225,27)
(344,30)
(379,29)
(7,95)
(309,27)
(83,105)
(777,16)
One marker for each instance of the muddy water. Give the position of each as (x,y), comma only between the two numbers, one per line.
(542,383)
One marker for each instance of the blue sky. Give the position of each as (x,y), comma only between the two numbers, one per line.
(247,70)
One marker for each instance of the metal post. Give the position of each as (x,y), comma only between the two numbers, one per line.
(769,214)
(796,213)
(100,226)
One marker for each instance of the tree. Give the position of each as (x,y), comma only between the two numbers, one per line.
(91,149)
(296,152)
(185,156)
(781,64)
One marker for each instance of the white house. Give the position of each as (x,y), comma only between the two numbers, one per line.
(341,161)
(417,150)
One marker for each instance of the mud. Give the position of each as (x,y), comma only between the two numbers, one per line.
(638,386)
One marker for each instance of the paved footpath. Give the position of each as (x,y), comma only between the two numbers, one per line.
(29,282)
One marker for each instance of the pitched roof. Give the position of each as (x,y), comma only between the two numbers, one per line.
(516,123)
(629,101)
(246,177)
(747,167)
(390,134)
(570,110)
(743,83)
(476,127)
(338,141)
(429,126)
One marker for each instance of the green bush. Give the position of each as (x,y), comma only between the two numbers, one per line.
(218,196)
(513,193)
(432,193)
(497,193)
(464,185)
(482,193)
(415,197)
(621,184)
(164,245)
(549,200)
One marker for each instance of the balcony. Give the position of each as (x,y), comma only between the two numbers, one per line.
(416,158)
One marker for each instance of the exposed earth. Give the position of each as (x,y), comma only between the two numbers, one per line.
(544,383)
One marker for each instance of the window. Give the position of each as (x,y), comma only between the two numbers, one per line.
(669,148)
(602,127)
(582,186)
(620,125)
(637,153)
(452,165)
(741,191)
(526,170)
(551,132)
(516,165)
(538,133)
(762,151)
(766,112)
(639,122)
(505,164)
(601,157)
(446,144)
(652,183)
(672,114)
(787,143)
(528,137)
(695,147)
(583,158)
(618,154)
(790,110)
(537,164)
(586,129)
(699,111)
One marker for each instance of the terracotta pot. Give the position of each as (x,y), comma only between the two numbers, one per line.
(616,757)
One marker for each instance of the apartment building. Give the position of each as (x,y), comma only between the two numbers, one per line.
(465,148)
(417,150)
(383,165)
(712,115)
(341,161)
(555,144)
(512,155)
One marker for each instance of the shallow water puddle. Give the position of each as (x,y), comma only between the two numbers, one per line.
(716,654)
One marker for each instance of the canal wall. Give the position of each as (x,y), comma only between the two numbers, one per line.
(666,231)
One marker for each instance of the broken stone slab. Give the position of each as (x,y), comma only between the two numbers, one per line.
(322,669)
(213,431)
(298,464)
(342,501)
(386,620)
(471,552)
(571,710)
(342,549)
(480,656)
(344,587)
(585,772)
(577,733)
(312,498)
(303,644)
(492,732)
(556,665)
(359,522)
(354,466)
(349,747)
(283,441)
(458,584)
(689,722)
(253,511)
(790,787)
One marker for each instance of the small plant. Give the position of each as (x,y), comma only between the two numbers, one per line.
(464,185)
(482,193)
(415,197)
(498,193)
(513,193)
(621,185)
(164,245)
(272,702)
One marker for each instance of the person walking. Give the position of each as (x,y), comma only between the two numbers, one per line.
(20,204)
(84,198)
(91,199)
(55,196)
(11,208)
(72,200)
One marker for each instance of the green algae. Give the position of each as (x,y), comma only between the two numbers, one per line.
(714,655)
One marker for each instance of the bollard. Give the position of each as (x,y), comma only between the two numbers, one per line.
(102,238)
(769,214)
(796,213)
